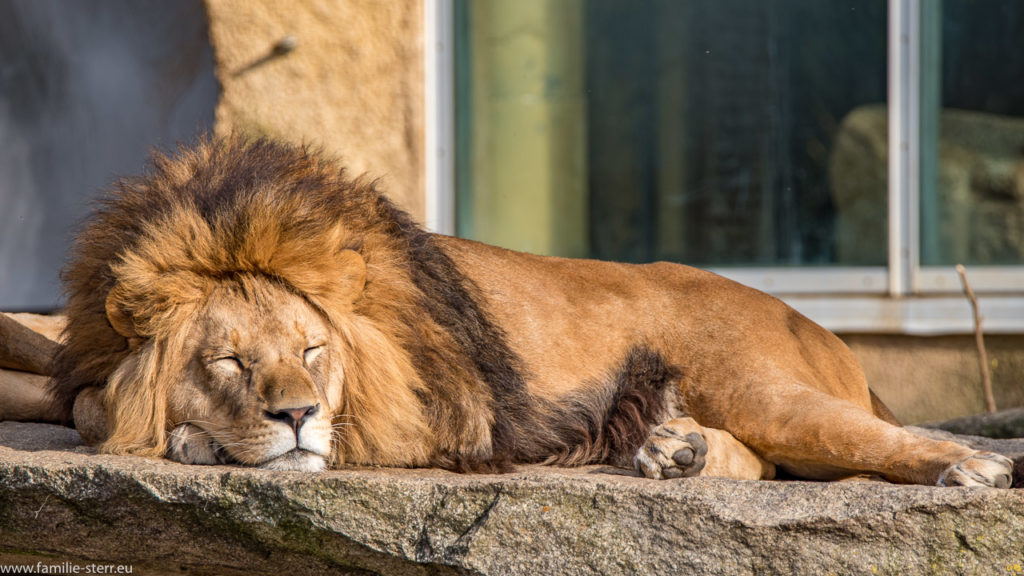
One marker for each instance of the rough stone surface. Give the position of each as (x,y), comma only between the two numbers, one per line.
(60,502)
(1003,424)
(351,82)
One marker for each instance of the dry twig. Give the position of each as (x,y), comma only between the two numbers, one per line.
(979,339)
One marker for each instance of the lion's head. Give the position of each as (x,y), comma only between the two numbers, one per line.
(248,303)
(257,385)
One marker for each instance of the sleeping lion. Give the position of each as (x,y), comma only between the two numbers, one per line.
(249,303)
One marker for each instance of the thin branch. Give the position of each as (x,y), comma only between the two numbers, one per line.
(979,339)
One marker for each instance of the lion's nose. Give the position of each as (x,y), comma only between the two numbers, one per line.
(294,417)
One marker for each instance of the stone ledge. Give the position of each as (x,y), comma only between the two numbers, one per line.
(59,502)
(1003,424)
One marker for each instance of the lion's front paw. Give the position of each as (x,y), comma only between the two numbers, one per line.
(190,444)
(671,452)
(981,469)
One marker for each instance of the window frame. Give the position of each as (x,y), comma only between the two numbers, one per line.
(901,298)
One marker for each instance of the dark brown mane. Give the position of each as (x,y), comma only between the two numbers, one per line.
(228,207)
(216,179)
(456,350)
(482,350)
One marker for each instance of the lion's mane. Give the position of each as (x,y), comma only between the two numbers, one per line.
(421,358)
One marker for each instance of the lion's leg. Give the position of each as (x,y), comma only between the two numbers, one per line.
(187,444)
(682,448)
(813,435)
(90,415)
(24,397)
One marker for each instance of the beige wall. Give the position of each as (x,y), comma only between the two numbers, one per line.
(353,83)
(926,379)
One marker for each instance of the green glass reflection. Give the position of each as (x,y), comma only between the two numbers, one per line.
(972,118)
(715,132)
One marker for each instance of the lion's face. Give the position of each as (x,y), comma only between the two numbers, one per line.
(257,388)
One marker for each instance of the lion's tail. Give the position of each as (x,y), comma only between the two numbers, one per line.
(882,411)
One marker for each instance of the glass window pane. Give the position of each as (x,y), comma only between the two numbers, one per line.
(972,196)
(715,132)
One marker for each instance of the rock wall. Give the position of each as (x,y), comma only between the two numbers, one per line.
(61,503)
(344,75)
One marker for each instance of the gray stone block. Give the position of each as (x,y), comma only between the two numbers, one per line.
(61,502)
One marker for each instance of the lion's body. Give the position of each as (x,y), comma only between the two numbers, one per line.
(673,311)
(241,292)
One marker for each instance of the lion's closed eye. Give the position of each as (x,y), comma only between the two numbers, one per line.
(309,355)
(228,364)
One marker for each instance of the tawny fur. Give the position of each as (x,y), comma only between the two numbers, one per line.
(157,252)
(443,351)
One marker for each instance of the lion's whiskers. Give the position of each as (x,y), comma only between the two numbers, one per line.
(339,440)
(196,424)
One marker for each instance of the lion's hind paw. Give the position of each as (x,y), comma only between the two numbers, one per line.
(981,469)
(671,453)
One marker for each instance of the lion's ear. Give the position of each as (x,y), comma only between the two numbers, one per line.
(352,268)
(121,321)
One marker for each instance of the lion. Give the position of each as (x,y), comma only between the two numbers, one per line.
(248,303)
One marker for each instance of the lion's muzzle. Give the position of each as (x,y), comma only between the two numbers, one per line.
(293,417)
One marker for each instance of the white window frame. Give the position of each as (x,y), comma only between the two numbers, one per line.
(439,128)
(902,298)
